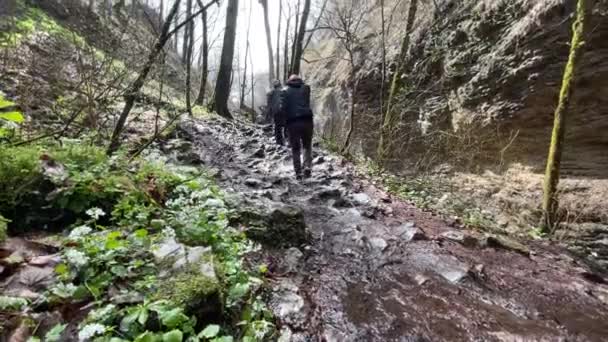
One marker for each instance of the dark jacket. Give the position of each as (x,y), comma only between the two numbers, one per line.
(273,103)
(295,101)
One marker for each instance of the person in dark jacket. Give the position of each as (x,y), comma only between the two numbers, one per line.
(273,111)
(295,108)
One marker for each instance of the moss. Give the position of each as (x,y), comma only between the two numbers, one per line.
(3,228)
(33,20)
(550,201)
(199,294)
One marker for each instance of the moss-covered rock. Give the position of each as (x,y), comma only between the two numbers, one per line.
(199,292)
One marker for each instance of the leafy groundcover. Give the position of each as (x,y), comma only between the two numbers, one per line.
(146,251)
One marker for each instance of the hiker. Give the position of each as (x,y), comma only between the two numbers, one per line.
(273,106)
(295,108)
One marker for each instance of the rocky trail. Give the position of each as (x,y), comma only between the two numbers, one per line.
(377,269)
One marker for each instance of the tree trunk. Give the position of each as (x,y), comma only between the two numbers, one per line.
(286,49)
(297,57)
(278,73)
(383,71)
(161,12)
(190,38)
(295,37)
(186,41)
(200,100)
(268,42)
(396,83)
(133,90)
(247,47)
(550,199)
(175,38)
(351,127)
(92,5)
(107,8)
(222,86)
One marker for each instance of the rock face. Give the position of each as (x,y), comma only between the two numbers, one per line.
(489,71)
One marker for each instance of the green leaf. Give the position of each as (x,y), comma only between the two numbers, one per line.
(238,291)
(223,339)
(147,337)
(173,336)
(12,116)
(62,269)
(142,318)
(12,303)
(210,331)
(5,103)
(128,320)
(33,339)
(141,233)
(173,318)
(112,244)
(119,270)
(54,334)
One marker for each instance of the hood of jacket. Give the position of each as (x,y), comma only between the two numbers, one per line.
(295,82)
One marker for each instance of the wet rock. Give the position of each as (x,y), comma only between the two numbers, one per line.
(273,224)
(460,237)
(253,182)
(408,232)
(420,279)
(378,244)
(292,259)
(44,260)
(326,193)
(287,305)
(259,153)
(498,241)
(361,199)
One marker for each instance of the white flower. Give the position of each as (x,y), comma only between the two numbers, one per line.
(79,232)
(95,213)
(90,330)
(76,258)
(102,313)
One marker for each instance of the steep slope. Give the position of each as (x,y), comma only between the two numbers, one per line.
(60,60)
(475,113)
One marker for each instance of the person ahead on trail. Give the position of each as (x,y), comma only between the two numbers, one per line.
(295,107)
(273,111)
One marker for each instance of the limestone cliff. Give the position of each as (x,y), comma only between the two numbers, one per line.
(482,80)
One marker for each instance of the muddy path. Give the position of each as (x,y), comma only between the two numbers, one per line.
(379,269)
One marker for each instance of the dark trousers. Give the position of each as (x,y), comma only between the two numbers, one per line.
(280,133)
(280,129)
(300,136)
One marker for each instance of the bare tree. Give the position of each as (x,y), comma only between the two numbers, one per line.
(295,35)
(316,25)
(245,61)
(187,33)
(133,90)
(278,73)
(297,56)
(264,4)
(200,100)
(286,48)
(388,119)
(190,40)
(224,77)
(344,22)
